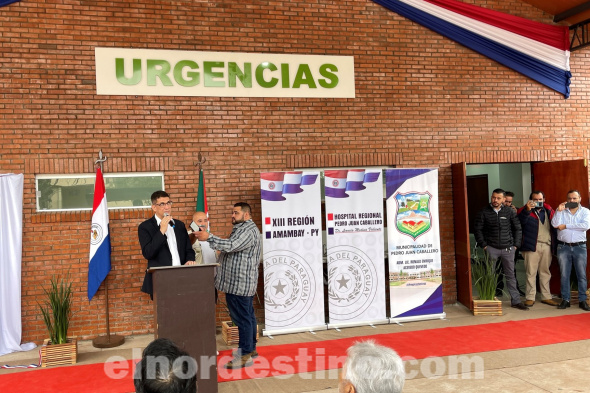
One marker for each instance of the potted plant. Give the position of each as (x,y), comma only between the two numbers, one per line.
(485,277)
(57,311)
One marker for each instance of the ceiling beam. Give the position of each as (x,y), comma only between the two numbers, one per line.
(571,12)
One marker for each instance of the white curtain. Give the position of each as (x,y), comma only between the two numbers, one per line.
(11,237)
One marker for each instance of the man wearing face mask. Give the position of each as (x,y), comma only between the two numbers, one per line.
(203,252)
(537,233)
(572,220)
(164,240)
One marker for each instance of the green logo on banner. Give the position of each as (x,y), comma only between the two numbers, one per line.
(413,213)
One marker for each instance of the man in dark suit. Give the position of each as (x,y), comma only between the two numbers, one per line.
(164,240)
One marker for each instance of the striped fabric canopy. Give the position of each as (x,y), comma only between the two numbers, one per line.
(537,50)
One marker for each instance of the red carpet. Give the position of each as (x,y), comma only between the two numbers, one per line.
(278,360)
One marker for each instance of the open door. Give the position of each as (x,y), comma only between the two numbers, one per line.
(462,250)
(555,179)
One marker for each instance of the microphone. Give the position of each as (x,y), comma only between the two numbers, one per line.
(171,223)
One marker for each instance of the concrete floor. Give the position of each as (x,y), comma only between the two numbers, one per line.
(550,368)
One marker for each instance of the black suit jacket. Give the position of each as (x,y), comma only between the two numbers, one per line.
(154,247)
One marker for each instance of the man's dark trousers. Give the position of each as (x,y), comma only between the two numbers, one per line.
(241,311)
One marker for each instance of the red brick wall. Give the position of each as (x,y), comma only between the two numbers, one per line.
(421,100)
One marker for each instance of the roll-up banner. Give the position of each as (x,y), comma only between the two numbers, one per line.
(414,244)
(292,258)
(355,242)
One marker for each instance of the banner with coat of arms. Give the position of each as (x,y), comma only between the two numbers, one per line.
(292,257)
(355,247)
(413,234)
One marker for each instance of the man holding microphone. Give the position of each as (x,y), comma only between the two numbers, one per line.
(164,241)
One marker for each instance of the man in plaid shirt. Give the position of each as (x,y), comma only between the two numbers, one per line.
(237,276)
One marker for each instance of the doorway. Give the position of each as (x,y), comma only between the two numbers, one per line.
(554,178)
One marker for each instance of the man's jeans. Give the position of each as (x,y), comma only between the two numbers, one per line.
(507,256)
(241,311)
(576,255)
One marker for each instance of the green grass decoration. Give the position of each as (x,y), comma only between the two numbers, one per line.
(57,310)
(484,274)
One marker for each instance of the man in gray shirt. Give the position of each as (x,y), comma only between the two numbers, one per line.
(237,276)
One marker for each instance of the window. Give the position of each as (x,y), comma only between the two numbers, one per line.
(76,192)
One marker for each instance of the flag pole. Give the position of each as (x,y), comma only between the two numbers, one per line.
(108,341)
(201,196)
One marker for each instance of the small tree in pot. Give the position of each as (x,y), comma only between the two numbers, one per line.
(57,309)
(57,312)
(485,278)
(485,274)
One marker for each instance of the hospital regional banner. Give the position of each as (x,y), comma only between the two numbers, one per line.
(292,244)
(414,244)
(355,244)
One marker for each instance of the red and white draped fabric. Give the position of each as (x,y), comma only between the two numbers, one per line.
(537,50)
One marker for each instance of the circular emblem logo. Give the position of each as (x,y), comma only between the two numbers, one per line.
(335,183)
(289,288)
(95,234)
(352,282)
(271,186)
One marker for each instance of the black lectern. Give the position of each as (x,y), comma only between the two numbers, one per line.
(184,312)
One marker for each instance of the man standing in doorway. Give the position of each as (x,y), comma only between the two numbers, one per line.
(237,276)
(572,220)
(509,201)
(537,233)
(497,230)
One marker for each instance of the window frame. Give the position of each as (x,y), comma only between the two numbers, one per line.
(92,176)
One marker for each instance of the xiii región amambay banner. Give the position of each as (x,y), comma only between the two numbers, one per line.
(414,244)
(292,245)
(355,247)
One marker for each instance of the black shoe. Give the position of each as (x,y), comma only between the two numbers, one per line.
(584,306)
(520,306)
(564,304)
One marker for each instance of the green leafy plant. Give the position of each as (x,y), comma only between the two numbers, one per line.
(484,274)
(57,309)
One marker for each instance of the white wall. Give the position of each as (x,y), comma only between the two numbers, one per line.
(510,177)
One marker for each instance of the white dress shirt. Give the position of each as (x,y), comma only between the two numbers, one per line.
(576,225)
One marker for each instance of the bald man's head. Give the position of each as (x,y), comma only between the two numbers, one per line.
(200,218)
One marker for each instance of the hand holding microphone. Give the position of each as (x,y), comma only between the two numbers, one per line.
(165,222)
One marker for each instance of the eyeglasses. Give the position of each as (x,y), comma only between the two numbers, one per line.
(163,204)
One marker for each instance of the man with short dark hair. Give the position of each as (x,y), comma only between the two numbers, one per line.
(572,220)
(509,200)
(537,233)
(497,230)
(165,368)
(372,368)
(237,276)
(164,241)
